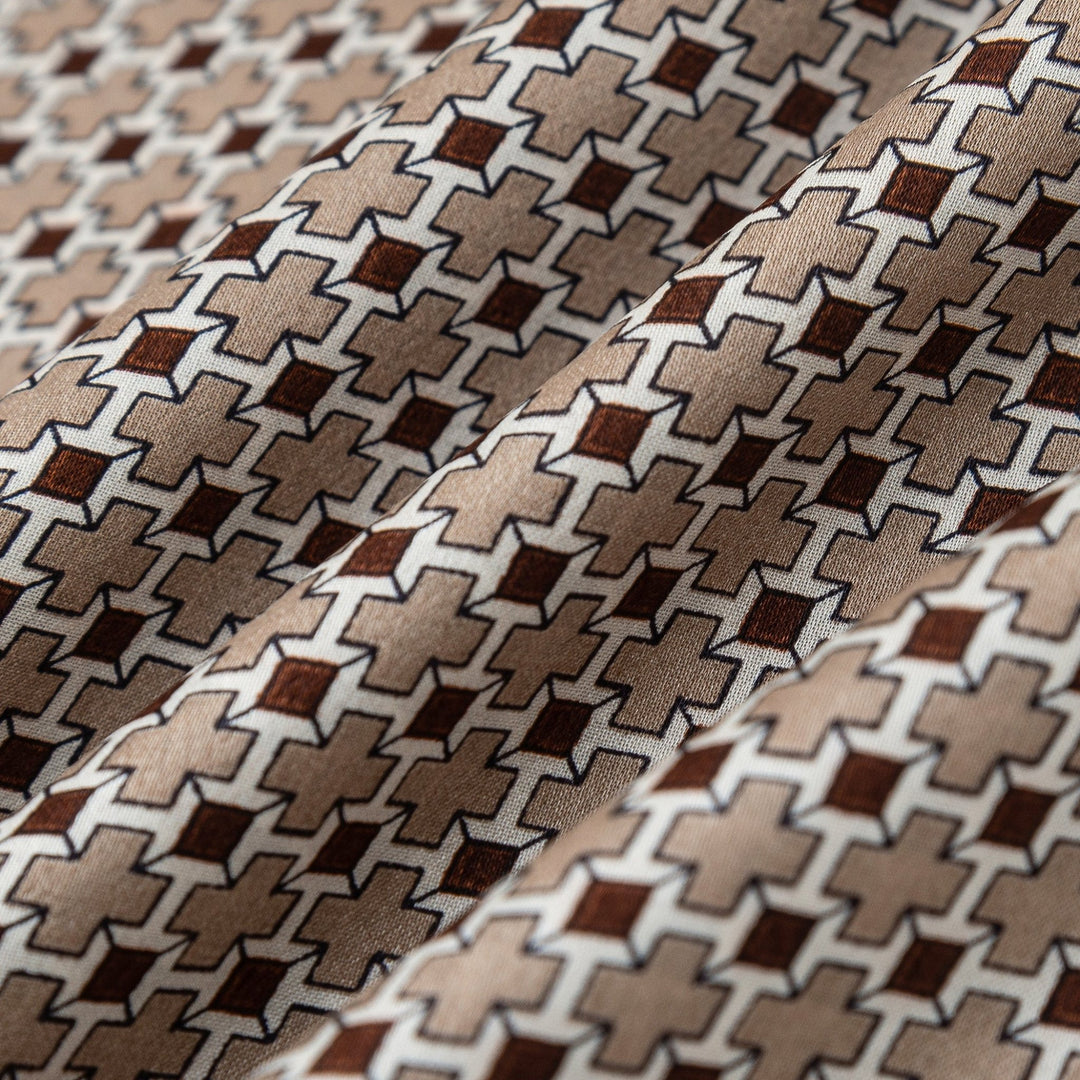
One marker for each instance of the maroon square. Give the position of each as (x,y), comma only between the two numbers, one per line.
(612,432)
(599,185)
(109,635)
(531,575)
(299,388)
(509,304)
(387,264)
(557,729)
(775,620)
(548,29)
(70,474)
(378,553)
(477,866)
(205,510)
(943,634)
(684,65)
(915,190)
(803,109)
(439,715)
(419,424)
(470,142)
(863,783)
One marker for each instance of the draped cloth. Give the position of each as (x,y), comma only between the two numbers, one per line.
(581,581)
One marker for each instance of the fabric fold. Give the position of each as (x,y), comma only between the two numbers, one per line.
(871,867)
(844,388)
(217,437)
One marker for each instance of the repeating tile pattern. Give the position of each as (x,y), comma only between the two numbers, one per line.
(217,437)
(869,870)
(131,131)
(849,384)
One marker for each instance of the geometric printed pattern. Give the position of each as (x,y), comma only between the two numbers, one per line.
(849,384)
(888,892)
(296,377)
(132,131)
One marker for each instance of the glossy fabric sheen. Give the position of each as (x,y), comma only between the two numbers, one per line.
(626,369)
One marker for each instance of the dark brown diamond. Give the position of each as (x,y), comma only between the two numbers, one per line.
(608,907)
(315,46)
(243,241)
(352,1049)
(419,424)
(527,1059)
(612,432)
(46,243)
(742,462)
(694,769)
(687,301)
(1041,224)
(205,510)
(647,594)
(298,686)
(299,388)
(775,620)
(989,506)
(1031,512)
(915,190)
(249,987)
(714,222)
(943,634)
(196,54)
(213,831)
(684,65)
(168,234)
(9,150)
(803,109)
(692,1072)
(470,142)
(477,866)
(243,139)
(157,350)
(854,482)
(925,967)
(1063,1008)
(122,148)
(863,783)
(599,185)
(387,264)
(324,540)
(548,29)
(557,729)
(1057,385)
(439,715)
(509,305)
(531,575)
(882,8)
(834,327)
(1017,817)
(378,553)
(119,972)
(943,350)
(70,474)
(438,37)
(991,63)
(344,848)
(55,814)
(109,635)
(77,61)
(21,759)
(775,939)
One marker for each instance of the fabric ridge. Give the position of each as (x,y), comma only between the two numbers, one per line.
(579,582)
